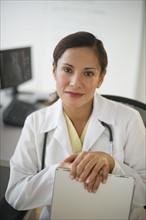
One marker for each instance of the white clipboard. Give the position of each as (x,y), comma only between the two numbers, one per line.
(71,201)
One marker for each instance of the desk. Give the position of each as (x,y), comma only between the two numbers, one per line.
(8,134)
(9,137)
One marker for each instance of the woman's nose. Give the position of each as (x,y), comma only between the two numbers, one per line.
(75,80)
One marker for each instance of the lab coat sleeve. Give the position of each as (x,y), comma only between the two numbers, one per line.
(29,187)
(134,158)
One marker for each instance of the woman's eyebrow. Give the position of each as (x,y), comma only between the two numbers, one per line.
(68,64)
(86,68)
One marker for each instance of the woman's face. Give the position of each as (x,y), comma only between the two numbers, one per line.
(77,76)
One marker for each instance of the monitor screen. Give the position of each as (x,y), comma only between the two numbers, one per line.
(15,67)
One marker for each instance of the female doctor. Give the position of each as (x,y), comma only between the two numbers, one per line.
(78,135)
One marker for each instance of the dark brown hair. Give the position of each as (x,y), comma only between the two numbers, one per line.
(81,39)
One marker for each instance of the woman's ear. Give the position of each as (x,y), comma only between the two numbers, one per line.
(101,78)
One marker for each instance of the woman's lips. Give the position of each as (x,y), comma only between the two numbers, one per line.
(74,94)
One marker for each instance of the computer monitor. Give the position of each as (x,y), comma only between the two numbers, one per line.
(15,67)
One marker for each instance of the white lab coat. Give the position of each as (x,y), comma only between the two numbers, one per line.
(30,187)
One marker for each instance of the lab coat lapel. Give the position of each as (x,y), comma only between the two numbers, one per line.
(57,124)
(62,137)
(95,129)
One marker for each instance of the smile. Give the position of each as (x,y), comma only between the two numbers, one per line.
(74,94)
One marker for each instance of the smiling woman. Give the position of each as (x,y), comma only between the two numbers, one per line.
(76,137)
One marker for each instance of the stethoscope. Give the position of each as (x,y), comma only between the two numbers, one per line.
(110,135)
(103,123)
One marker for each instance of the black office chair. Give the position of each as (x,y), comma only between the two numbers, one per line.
(9,213)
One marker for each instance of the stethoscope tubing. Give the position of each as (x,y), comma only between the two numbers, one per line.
(109,129)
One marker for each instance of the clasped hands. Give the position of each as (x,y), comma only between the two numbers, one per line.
(90,168)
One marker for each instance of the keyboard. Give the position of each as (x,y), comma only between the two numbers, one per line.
(16,112)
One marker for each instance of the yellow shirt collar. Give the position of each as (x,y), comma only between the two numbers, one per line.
(76,142)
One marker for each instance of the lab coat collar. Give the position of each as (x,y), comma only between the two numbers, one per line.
(103,109)
(54,117)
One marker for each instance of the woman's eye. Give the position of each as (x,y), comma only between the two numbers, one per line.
(89,74)
(67,70)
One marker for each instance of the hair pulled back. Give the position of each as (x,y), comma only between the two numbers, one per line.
(81,39)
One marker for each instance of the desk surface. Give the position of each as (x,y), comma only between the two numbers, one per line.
(9,135)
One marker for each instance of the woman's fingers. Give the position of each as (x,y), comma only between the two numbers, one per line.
(82,165)
(91,168)
(65,165)
(96,184)
(93,185)
(105,173)
(101,166)
(78,166)
(71,158)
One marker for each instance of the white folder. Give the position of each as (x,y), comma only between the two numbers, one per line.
(71,201)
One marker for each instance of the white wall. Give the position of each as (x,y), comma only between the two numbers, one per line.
(41,24)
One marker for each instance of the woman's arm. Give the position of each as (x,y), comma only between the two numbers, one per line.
(29,187)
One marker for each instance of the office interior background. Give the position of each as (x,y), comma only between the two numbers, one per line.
(41,24)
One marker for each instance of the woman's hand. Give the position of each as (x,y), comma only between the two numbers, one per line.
(91,168)
(65,165)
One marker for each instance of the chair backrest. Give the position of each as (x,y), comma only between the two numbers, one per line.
(139,106)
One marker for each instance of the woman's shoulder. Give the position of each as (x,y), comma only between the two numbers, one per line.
(116,109)
(116,105)
(46,114)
